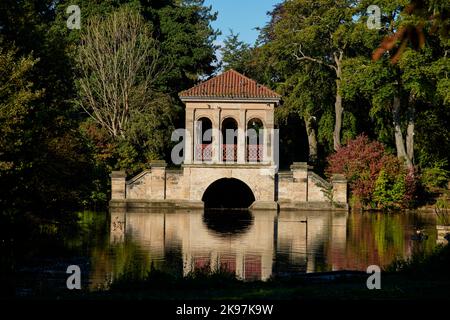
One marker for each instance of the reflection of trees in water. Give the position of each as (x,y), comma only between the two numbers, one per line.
(120,260)
(173,259)
(379,238)
(227,223)
(320,263)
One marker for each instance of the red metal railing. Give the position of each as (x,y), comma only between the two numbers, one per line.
(255,152)
(229,152)
(203,152)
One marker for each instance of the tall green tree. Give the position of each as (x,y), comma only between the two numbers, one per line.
(56,165)
(62,144)
(398,86)
(302,49)
(119,64)
(317,33)
(236,54)
(185,39)
(16,99)
(182,27)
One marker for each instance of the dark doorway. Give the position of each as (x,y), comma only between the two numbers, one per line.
(228,193)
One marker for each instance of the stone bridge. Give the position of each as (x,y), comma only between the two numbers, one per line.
(219,186)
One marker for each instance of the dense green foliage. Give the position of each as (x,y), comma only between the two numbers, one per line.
(318,54)
(53,157)
(390,83)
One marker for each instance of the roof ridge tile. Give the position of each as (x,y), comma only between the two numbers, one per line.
(230,84)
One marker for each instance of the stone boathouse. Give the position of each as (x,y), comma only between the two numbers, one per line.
(229,158)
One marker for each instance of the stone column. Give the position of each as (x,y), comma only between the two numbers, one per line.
(300,181)
(158,182)
(118,189)
(216,137)
(189,138)
(339,188)
(242,131)
(268,137)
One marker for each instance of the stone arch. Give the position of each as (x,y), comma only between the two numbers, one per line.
(257,118)
(255,140)
(203,115)
(260,115)
(228,193)
(203,138)
(201,178)
(256,124)
(225,114)
(229,131)
(203,123)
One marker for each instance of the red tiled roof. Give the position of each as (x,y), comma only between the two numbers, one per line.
(230,84)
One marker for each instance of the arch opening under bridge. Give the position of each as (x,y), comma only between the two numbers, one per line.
(228,193)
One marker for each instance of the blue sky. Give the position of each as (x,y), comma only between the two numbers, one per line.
(242,16)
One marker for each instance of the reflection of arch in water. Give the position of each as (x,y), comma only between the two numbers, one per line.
(228,223)
(228,193)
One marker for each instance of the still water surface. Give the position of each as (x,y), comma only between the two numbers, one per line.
(255,246)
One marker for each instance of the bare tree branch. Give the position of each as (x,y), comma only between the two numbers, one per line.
(302,57)
(119,63)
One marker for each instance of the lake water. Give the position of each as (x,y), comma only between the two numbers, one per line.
(255,246)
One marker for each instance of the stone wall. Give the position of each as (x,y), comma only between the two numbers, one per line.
(319,190)
(140,187)
(260,179)
(299,188)
(176,187)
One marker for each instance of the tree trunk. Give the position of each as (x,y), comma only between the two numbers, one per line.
(410,130)
(339,110)
(399,142)
(312,138)
(338,107)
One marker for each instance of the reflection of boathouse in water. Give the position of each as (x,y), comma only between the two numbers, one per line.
(230,158)
(250,250)
(258,244)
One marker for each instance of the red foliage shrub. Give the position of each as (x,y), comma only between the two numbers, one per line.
(361,161)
